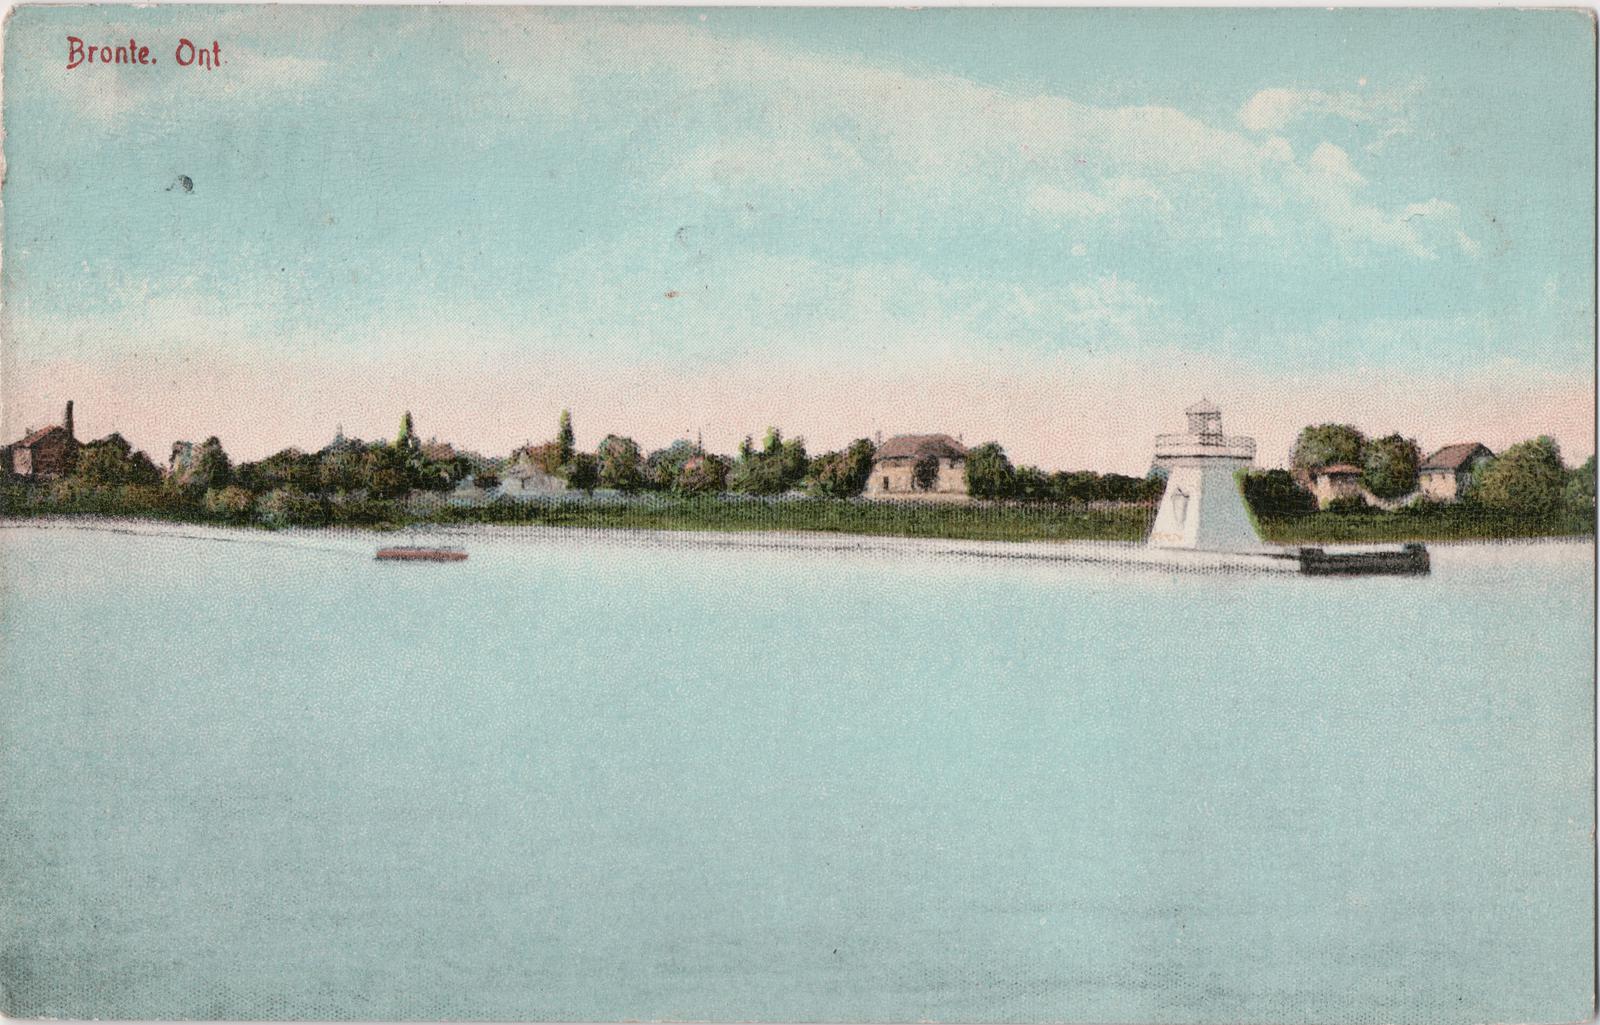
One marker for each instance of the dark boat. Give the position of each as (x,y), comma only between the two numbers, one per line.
(1407,560)
(411,553)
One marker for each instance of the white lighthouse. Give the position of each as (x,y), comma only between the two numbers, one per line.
(1203,507)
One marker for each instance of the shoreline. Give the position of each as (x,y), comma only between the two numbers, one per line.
(1271,558)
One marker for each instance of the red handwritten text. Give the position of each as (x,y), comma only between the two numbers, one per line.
(208,58)
(188,54)
(133,53)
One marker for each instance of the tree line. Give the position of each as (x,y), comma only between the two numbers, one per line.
(1527,480)
(296,486)
(347,480)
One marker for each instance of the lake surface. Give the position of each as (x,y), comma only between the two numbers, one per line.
(579,779)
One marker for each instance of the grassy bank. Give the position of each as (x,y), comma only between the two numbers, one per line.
(987,521)
(896,519)
(1429,523)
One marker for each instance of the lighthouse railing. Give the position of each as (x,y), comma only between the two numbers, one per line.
(1216,445)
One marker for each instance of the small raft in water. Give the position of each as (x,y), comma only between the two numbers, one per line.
(411,553)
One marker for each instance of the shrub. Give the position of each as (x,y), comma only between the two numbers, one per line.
(349,510)
(1424,506)
(1526,480)
(290,507)
(1350,505)
(703,475)
(989,472)
(843,474)
(581,472)
(777,467)
(1274,494)
(231,502)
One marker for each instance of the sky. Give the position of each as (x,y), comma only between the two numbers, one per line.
(1049,228)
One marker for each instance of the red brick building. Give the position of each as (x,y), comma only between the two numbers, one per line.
(46,453)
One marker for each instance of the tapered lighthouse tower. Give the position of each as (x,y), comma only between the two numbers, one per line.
(1203,507)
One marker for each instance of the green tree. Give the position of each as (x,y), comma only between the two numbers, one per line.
(1031,484)
(662,467)
(1527,480)
(343,468)
(989,472)
(1389,469)
(779,466)
(406,439)
(566,441)
(212,467)
(291,507)
(703,475)
(581,472)
(1580,489)
(925,472)
(386,471)
(231,502)
(112,461)
(620,464)
(843,474)
(1120,487)
(1327,444)
(758,475)
(287,468)
(1074,486)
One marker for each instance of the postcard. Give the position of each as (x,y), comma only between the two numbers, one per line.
(798,515)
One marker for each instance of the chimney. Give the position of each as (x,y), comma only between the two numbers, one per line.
(66,419)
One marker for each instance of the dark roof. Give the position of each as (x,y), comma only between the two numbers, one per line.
(1454,457)
(916,446)
(40,435)
(1337,470)
(1204,407)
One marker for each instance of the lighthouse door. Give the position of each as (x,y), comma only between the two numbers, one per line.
(1180,506)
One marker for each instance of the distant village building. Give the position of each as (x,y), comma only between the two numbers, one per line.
(919,466)
(46,453)
(1444,476)
(1334,482)
(522,479)
(528,472)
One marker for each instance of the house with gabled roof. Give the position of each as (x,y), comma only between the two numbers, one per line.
(919,466)
(1444,476)
(46,453)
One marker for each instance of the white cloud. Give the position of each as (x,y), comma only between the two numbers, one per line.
(808,120)
(1272,110)
(1328,159)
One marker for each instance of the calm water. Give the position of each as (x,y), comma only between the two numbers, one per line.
(579,780)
